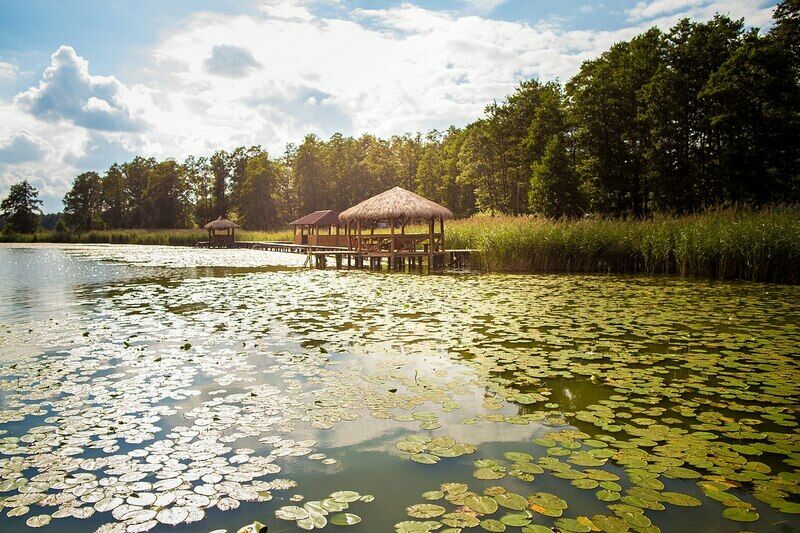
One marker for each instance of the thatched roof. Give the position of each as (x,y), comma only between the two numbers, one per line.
(221,223)
(396,203)
(318,218)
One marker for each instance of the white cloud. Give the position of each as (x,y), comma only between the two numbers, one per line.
(287,9)
(270,76)
(230,61)
(8,71)
(68,92)
(664,13)
(22,148)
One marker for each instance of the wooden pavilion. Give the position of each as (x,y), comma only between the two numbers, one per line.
(317,229)
(397,207)
(221,232)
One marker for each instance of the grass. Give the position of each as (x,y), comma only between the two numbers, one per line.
(732,243)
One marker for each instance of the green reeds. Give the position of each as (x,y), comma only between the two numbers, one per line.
(731,243)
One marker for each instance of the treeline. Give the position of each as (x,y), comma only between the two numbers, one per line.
(705,114)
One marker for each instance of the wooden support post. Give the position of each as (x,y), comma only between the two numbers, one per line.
(392,265)
(441,229)
(430,243)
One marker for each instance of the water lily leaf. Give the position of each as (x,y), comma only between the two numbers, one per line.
(489,473)
(491,524)
(291,512)
(511,501)
(413,526)
(425,510)
(739,514)
(38,520)
(572,525)
(481,504)
(424,458)
(344,519)
(346,496)
(460,520)
(255,527)
(516,519)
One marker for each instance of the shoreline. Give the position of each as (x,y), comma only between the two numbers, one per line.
(732,243)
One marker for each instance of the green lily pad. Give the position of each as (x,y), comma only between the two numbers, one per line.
(481,504)
(344,519)
(739,514)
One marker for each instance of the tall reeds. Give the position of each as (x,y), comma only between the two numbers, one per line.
(731,243)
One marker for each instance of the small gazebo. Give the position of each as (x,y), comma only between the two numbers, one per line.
(317,229)
(221,232)
(397,207)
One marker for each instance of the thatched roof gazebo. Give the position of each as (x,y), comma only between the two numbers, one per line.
(397,207)
(313,226)
(221,232)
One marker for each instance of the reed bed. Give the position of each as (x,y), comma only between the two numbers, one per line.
(732,243)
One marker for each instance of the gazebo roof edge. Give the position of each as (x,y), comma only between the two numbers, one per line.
(396,203)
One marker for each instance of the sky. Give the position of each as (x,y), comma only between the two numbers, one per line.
(87,83)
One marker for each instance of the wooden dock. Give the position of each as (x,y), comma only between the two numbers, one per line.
(319,256)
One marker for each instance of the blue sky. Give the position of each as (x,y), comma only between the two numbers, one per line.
(88,82)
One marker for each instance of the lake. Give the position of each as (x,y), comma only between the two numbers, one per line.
(175,389)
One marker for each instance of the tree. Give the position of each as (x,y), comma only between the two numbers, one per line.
(786,32)
(114,199)
(555,187)
(684,148)
(606,105)
(481,167)
(20,208)
(201,183)
(167,196)
(309,175)
(257,209)
(219,168)
(755,112)
(83,203)
(136,175)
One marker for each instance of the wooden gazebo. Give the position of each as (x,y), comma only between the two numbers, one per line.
(397,207)
(317,229)
(221,232)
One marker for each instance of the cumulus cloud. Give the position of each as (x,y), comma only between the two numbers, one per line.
(285,69)
(8,71)
(664,13)
(22,148)
(99,152)
(230,61)
(287,9)
(67,91)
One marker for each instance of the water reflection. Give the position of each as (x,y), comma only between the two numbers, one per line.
(196,363)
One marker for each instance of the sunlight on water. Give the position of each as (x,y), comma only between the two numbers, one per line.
(172,389)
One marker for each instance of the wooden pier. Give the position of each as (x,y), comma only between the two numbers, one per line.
(366,243)
(341,257)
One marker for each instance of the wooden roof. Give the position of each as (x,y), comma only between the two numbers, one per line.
(397,203)
(221,223)
(325,217)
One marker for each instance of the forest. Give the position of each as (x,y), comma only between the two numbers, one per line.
(705,114)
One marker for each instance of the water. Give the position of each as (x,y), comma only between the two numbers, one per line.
(244,376)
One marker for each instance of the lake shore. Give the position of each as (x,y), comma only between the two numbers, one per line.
(733,243)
